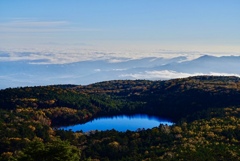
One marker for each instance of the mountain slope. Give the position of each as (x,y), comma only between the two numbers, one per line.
(206,110)
(173,99)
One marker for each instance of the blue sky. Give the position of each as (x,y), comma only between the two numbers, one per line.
(66,31)
(199,25)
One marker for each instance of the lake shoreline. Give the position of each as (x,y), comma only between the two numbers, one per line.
(119,123)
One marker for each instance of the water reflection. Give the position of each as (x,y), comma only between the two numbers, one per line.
(120,123)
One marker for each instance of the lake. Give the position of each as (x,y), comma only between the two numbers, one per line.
(120,123)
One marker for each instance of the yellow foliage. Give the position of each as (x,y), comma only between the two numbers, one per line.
(78,134)
(32,127)
(210,134)
(177,129)
(29,99)
(191,133)
(15,139)
(234,140)
(232,118)
(218,130)
(7,154)
(19,110)
(184,124)
(227,109)
(205,127)
(26,139)
(114,144)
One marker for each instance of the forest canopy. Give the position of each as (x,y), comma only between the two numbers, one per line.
(205,110)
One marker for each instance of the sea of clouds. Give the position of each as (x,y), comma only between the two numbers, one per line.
(30,67)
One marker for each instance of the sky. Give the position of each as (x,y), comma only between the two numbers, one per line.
(122,25)
(59,32)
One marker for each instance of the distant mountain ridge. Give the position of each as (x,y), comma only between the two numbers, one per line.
(206,64)
(175,98)
(28,73)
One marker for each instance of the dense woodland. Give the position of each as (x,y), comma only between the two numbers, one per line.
(205,109)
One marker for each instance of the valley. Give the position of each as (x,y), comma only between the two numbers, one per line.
(204,109)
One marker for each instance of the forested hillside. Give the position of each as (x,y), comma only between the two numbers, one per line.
(205,110)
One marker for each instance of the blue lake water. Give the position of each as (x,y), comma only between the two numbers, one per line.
(120,123)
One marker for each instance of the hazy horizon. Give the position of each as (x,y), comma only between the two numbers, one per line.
(203,26)
(154,39)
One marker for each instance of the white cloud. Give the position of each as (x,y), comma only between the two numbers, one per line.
(32,26)
(37,26)
(119,60)
(61,54)
(97,70)
(168,74)
(33,23)
(119,69)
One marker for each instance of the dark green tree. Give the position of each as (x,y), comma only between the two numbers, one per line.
(55,151)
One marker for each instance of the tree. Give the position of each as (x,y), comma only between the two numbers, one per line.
(55,151)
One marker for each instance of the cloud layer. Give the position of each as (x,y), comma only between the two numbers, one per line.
(166,74)
(83,52)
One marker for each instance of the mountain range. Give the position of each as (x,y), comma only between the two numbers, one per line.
(38,72)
